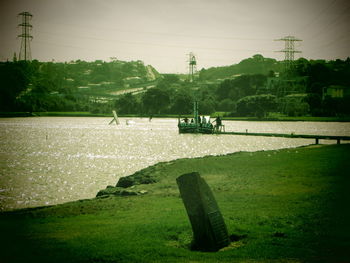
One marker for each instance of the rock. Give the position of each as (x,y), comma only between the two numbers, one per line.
(147,180)
(127,192)
(125,182)
(148,175)
(119,191)
(109,191)
(141,177)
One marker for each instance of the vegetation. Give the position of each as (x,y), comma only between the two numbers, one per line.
(254,65)
(255,87)
(279,206)
(75,86)
(257,105)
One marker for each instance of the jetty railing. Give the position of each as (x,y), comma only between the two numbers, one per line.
(292,135)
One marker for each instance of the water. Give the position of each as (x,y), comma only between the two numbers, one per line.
(52,160)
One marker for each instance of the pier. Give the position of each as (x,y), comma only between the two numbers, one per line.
(292,135)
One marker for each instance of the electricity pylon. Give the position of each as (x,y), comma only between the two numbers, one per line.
(192,66)
(289,50)
(25,53)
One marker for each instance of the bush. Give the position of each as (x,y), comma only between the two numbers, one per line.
(257,105)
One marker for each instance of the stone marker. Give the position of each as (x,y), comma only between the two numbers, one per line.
(208,226)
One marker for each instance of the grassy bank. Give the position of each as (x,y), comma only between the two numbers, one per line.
(289,205)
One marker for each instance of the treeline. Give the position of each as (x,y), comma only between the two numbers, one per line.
(256,86)
(75,86)
(236,97)
(309,88)
(327,85)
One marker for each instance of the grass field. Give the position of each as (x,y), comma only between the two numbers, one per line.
(289,205)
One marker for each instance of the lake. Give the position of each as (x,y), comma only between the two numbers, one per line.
(51,160)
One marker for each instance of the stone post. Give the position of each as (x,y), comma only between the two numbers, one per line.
(208,226)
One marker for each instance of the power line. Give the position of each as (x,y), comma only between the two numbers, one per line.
(315,18)
(128,53)
(334,41)
(162,45)
(159,33)
(332,23)
(345,46)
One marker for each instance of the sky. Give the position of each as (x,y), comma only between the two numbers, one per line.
(162,33)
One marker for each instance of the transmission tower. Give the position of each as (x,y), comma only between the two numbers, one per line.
(24,53)
(289,50)
(192,66)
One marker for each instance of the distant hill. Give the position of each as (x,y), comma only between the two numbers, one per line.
(98,78)
(117,73)
(69,86)
(254,65)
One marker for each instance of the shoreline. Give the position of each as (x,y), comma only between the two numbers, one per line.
(284,205)
(144,176)
(154,168)
(88,114)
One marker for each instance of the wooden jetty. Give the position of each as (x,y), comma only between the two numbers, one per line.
(292,135)
(197,127)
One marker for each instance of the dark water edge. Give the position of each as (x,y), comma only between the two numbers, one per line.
(89,114)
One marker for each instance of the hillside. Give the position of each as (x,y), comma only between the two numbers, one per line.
(254,65)
(73,86)
(255,87)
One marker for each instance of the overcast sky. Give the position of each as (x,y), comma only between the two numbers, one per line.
(163,32)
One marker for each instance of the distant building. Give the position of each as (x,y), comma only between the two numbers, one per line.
(335,91)
(132,80)
(283,87)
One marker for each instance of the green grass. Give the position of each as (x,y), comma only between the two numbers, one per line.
(290,205)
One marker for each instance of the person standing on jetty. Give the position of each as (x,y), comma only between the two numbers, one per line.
(218,123)
(199,121)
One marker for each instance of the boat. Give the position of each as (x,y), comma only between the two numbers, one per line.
(199,124)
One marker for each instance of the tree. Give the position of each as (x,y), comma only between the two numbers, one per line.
(295,105)
(155,100)
(227,105)
(127,104)
(170,78)
(15,78)
(207,106)
(257,105)
(182,103)
(315,102)
(227,89)
(242,86)
(301,67)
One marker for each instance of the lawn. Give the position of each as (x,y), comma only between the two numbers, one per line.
(289,205)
